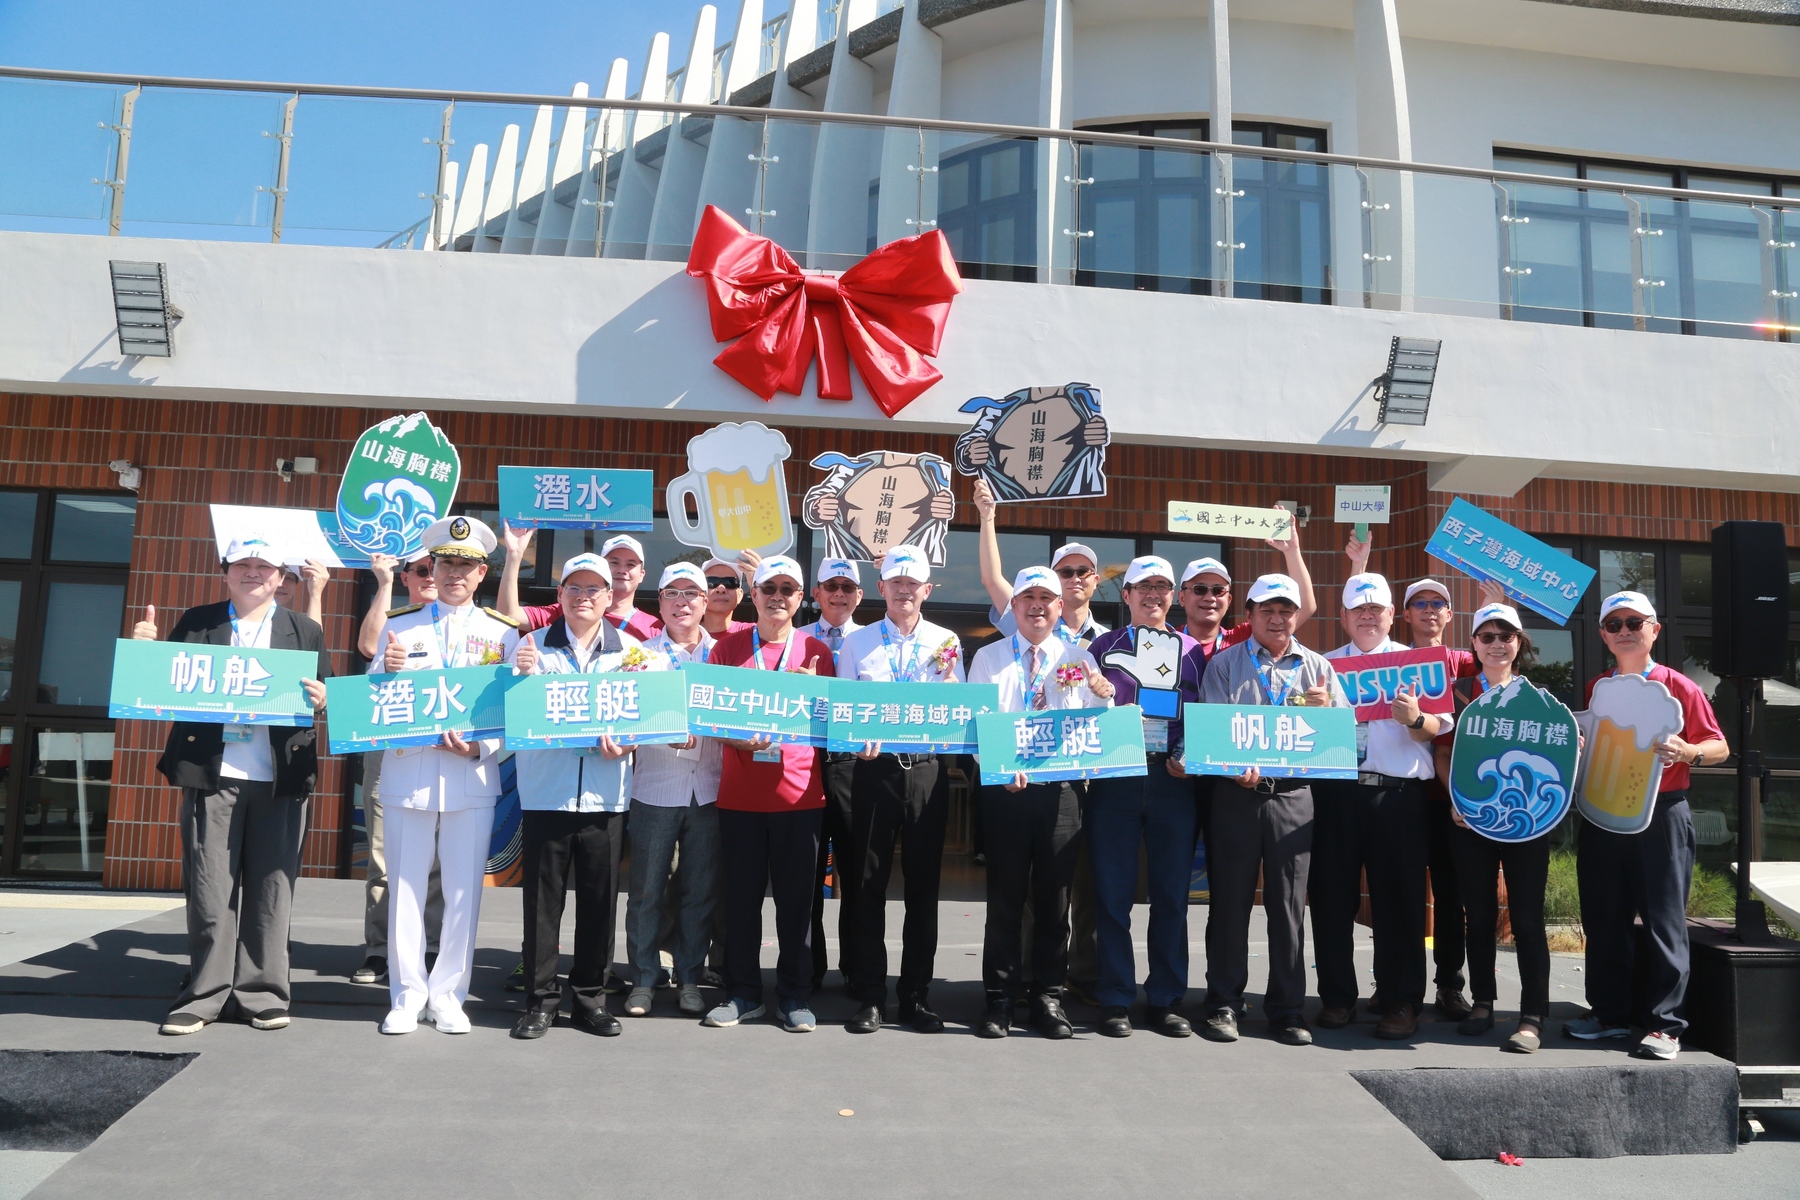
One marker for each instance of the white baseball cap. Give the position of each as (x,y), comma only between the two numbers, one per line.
(1063,552)
(1427,585)
(839,568)
(716,561)
(682,570)
(625,540)
(779,564)
(1206,566)
(909,561)
(1635,602)
(1036,577)
(1504,613)
(587,561)
(252,545)
(1275,587)
(1150,566)
(1367,588)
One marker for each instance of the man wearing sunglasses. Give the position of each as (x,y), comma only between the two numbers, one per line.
(838,592)
(1627,876)
(724,592)
(903,796)
(1205,596)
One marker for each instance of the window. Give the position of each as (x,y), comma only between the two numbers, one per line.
(987,208)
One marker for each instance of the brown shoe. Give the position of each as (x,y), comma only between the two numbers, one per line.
(1332,1018)
(1401,1022)
(1451,1004)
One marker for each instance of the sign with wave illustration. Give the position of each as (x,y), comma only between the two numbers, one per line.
(1627,716)
(1512,770)
(401,476)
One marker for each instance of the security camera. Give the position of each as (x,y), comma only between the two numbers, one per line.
(129,476)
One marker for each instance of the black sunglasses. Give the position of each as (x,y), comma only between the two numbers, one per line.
(1074,572)
(1620,624)
(1209,589)
(1505,635)
(728,582)
(783,590)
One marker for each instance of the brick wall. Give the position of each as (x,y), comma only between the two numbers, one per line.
(197,453)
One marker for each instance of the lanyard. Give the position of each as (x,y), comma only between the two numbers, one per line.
(912,672)
(1269,688)
(1032,685)
(675,652)
(446,655)
(237,636)
(1070,636)
(756,650)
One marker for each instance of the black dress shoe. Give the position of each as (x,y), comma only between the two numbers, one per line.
(597,1021)
(1115,1021)
(917,1016)
(533,1024)
(1047,1015)
(1167,1022)
(866,1020)
(997,1021)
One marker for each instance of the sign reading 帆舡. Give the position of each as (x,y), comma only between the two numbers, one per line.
(1372,681)
(935,718)
(1229,520)
(571,498)
(1063,743)
(634,708)
(416,708)
(197,681)
(1540,577)
(401,476)
(743,702)
(1291,741)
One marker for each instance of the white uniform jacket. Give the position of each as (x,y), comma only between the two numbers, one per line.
(578,780)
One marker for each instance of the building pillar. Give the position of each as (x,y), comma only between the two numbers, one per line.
(1384,130)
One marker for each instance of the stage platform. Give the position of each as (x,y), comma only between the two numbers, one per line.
(670,1108)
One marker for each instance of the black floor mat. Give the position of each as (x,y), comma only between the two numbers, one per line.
(63,1100)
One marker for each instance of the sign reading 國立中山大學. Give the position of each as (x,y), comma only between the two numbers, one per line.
(1229,520)
(416,708)
(568,498)
(634,708)
(1290,741)
(1372,681)
(401,476)
(934,718)
(1540,577)
(1061,743)
(197,681)
(789,707)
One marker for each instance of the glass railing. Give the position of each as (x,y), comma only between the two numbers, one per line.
(406,170)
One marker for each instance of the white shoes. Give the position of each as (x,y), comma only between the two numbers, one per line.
(400,1020)
(447,1015)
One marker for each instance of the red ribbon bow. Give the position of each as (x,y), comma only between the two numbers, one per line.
(886,313)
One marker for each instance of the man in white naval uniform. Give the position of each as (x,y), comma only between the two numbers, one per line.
(439,800)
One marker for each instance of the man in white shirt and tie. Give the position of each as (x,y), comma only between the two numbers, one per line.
(1033,829)
(837,591)
(898,795)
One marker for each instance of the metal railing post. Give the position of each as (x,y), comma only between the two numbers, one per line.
(285,145)
(918,222)
(121,161)
(440,195)
(762,159)
(1076,235)
(1370,257)
(1641,283)
(1225,245)
(1770,246)
(1510,271)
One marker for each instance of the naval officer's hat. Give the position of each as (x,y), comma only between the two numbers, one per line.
(460,537)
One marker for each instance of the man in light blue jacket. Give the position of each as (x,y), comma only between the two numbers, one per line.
(574,805)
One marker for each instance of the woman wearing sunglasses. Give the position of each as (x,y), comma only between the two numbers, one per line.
(1501,650)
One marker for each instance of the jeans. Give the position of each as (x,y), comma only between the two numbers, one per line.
(1158,810)
(656,831)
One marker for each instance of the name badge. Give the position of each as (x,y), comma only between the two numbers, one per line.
(1156,735)
(238,733)
(771,755)
(689,754)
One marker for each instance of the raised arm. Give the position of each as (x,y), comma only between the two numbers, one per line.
(1296,567)
(316,576)
(993,574)
(507,602)
(368,636)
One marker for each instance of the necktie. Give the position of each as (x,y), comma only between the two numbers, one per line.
(1038,699)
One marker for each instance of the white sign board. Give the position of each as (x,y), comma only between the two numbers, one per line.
(1359,504)
(298,533)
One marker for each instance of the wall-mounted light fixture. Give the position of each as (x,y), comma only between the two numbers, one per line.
(1405,389)
(141,305)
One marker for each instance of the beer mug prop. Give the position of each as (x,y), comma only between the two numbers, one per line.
(739,486)
(1620,772)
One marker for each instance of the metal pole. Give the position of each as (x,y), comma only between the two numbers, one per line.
(121,160)
(285,142)
(440,197)
(1752,916)
(918,221)
(1225,247)
(762,161)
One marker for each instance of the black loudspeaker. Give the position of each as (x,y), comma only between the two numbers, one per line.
(1743,1002)
(1750,600)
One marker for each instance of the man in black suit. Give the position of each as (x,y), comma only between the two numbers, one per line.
(244,792)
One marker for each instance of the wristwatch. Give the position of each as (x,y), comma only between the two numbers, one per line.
(1699,757)
(1418,724)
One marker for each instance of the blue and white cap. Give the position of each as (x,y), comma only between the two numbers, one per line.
(1275,587)
(1150,566)
(839,568)
(779,564)
(587,561)
(626,541)
(1367,588)
(1206,566)
(1635,602)
(909,561)
(1504,613)
(252,545)
(1036,577)
(678,572)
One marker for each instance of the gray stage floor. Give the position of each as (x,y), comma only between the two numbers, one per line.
(671,1108)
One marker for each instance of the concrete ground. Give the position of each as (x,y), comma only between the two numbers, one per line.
(672,1108)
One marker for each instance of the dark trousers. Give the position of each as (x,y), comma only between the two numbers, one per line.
(912,804)
(661,913)
(1157,810)
(1447,945)
(1527,867)
(1274,832)
(240,853)
(564,850)
(1624,876)
(840,771)
(1033,840)
(774,853)
(1382,831)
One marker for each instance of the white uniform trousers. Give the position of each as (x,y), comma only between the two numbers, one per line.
(458,842)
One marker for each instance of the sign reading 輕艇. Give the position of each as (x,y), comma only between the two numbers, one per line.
(567,498)
(1229,520)
(634,708)
(1542,578)
(1371,681)
(1513,767)
(416,708)
(401,476)
(197,681)
(1061,743)
(743,702)
(1282,743)
(931,718)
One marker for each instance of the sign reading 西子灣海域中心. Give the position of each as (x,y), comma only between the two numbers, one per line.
(568,498)
(416,708)
(928,718)
(1229,520)
(1540,577)
(790,707)
(1061,743)
(634,708)
(1513,768)
(401,476)
(1372,681)
(1286,742)
(199,681)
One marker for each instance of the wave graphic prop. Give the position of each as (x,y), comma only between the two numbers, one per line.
(1529,796)
(391,519)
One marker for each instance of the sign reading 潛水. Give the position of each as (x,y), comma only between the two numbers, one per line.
(1540,577)
(1513,768)
(1229,520)
(930,718)
(634,708)
(1061,743)
(416,708)
(401,476)
(224,685)
(1371,681)
(567,498)
(743,702)
(1292,741)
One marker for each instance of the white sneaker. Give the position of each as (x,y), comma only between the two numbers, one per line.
(1592,1029)
(1657,1045)
(400,1020)
(447,1015)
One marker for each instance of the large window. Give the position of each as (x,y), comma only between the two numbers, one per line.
(987,208)
(64,557)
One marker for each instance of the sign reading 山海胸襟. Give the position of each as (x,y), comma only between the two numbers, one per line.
(401,476)
(788,707)
(570,498)
(198,681)
(934,718)
(1285,742)
(634,708)
(1540,577)
(1061,743)
(416,708)
(1513,768)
